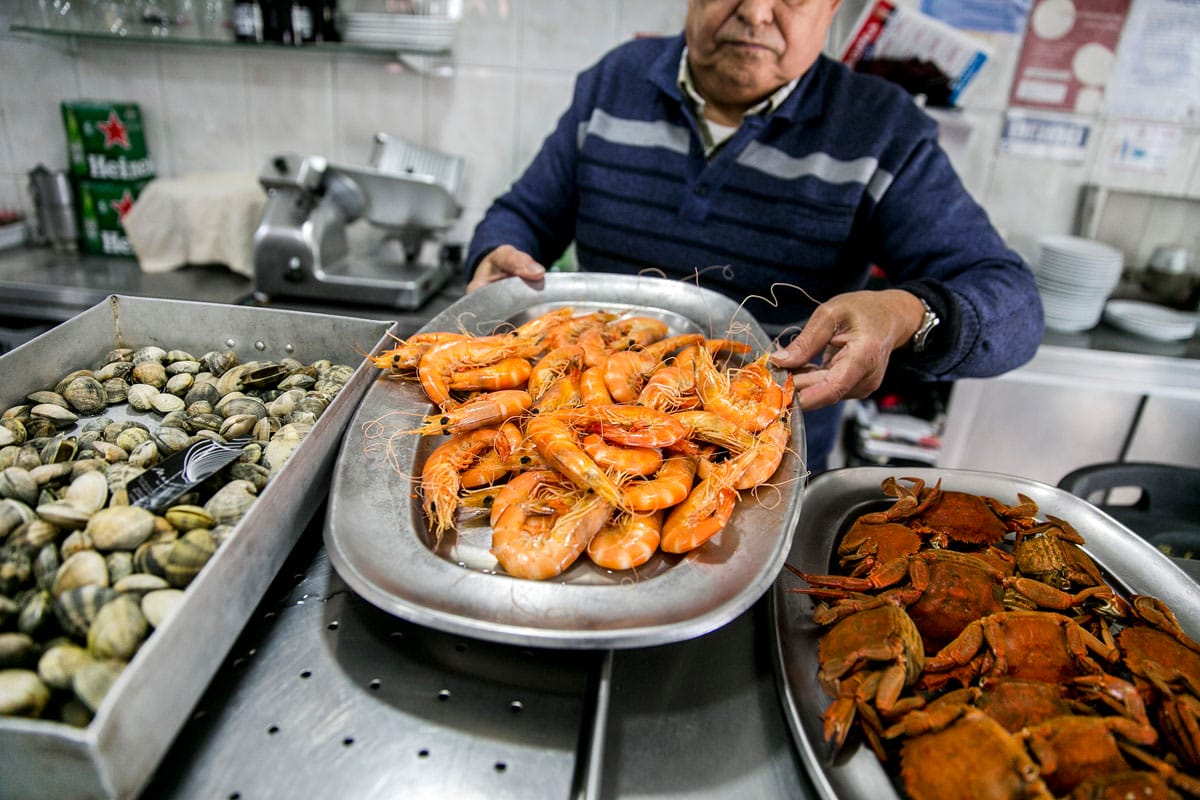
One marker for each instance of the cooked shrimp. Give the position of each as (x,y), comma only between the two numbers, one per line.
(669,486)
(752,413)
(405,356)
(539,326)
(629,425)
(488,468)
(708,426)
(441,476)
(592,390)
(633,332)
(507,373)
(485,410)
(595,348)
(669,389)
(626,371)
(566,359)
(532,486)
(759,462)
(569,330)
(541,547)
(622,460)
(558,443)
(701,515)
(626,541)
(440,362)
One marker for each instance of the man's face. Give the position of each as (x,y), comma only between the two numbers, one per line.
(742,50)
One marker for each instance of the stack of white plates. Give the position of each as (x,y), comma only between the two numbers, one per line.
(1149,320)
(1075,276)
(400,31)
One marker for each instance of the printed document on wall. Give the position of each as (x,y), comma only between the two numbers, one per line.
(1157,75)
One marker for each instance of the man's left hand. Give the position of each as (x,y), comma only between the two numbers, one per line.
(854,334)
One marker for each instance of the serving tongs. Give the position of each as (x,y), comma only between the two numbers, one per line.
(176,475)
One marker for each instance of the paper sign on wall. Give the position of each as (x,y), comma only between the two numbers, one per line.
(1145,147)
(1158,64)
(1068,55)
(1043,135)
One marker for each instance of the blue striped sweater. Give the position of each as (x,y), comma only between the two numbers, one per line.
(846,173)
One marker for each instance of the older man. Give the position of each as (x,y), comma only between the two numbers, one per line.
(738,155)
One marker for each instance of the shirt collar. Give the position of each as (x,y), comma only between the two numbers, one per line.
(765,106)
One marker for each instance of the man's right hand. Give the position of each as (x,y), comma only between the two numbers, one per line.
(505,261)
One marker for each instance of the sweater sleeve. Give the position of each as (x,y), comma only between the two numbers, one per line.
(537,214)
(934,240)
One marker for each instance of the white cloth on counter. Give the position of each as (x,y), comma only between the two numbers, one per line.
(205,218)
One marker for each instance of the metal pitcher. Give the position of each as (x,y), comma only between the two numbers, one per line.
(54,207)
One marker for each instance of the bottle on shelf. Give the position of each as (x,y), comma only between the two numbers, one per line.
(247,21)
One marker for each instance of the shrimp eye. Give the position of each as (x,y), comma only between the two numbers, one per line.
(487,501)
(444,421)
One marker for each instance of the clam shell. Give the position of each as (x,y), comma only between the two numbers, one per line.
(92,682)
(51,472)
(45,566)
(231,501)
(77,608)
(165,403)
(183,366)
(60,662)
(75,542)
(120,566)
(140,583)
(22,693)
(114,369)
(150,352)
(17,483)
(158,605)
(16,569)
(120,527)
(151,557)
(130,438)
(64,514)
(120,474)
(110,452)
(238,425)
(14,513)
(46,396)
(88,492)
(188,555)
(12,431)
(118,630)
(85,568)
(36,617)
(61,416)
(188,517)
(60,450)
(86,395)
(218,361)
(145,455)
(116,390)
(33,536)
(17,650)
(171,439)
(141,396)
(178,385)
(151,373)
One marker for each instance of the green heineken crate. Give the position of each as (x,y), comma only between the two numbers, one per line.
(106,141)
(102,205)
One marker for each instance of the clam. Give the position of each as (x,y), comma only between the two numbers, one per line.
(51,472)
(88,492)
(149,353)
(171,439)
(59,415)
(203,392)
(118,630)
(141,396)
(60,449)
(120,527)
(45,566)
(158,605)
(16,568)
(231,501)
(22,693)
(17,650)
(32,536)
(46,397)
(77,608)
(140,584)
(130,438)
(64,514)
(188,517)
(12,431)
(165,403)
(237,426)
(36,615)
(151,557)
(219,361)
(17,483)
(118,354)
(60,662)
(86,395)
(110,452)
(188,555)
(75,542)
(120,566)
(93,680)
(179,384)
(116,390)
(114,369)
(85,568)
(14,513)
(256,474)
(145,455)
(185,366)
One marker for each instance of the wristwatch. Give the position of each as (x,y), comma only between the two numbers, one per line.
(928,323)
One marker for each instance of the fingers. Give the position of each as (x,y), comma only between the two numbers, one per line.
(505,261)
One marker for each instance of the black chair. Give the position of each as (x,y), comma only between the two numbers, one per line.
(1165,510)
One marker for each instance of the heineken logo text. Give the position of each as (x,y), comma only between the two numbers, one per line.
(119,169)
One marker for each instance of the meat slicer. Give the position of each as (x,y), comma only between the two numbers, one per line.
(305,246)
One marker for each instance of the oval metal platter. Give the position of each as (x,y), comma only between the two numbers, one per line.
(834,499)
(379,542)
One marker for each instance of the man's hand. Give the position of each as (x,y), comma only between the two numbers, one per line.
(854,334)
(505,261)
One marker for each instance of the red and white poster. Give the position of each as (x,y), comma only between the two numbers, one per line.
(1069,53)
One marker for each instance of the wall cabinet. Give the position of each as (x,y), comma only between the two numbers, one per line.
(1070,407)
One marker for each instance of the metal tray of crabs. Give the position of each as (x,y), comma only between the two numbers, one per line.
(1040,649)
(404,551)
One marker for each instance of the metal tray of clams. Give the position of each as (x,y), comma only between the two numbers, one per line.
(115,752)
(834,499)
(377,537)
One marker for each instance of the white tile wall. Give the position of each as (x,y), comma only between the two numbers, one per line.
(227,108)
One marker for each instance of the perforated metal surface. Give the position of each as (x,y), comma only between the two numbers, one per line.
(325,696)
